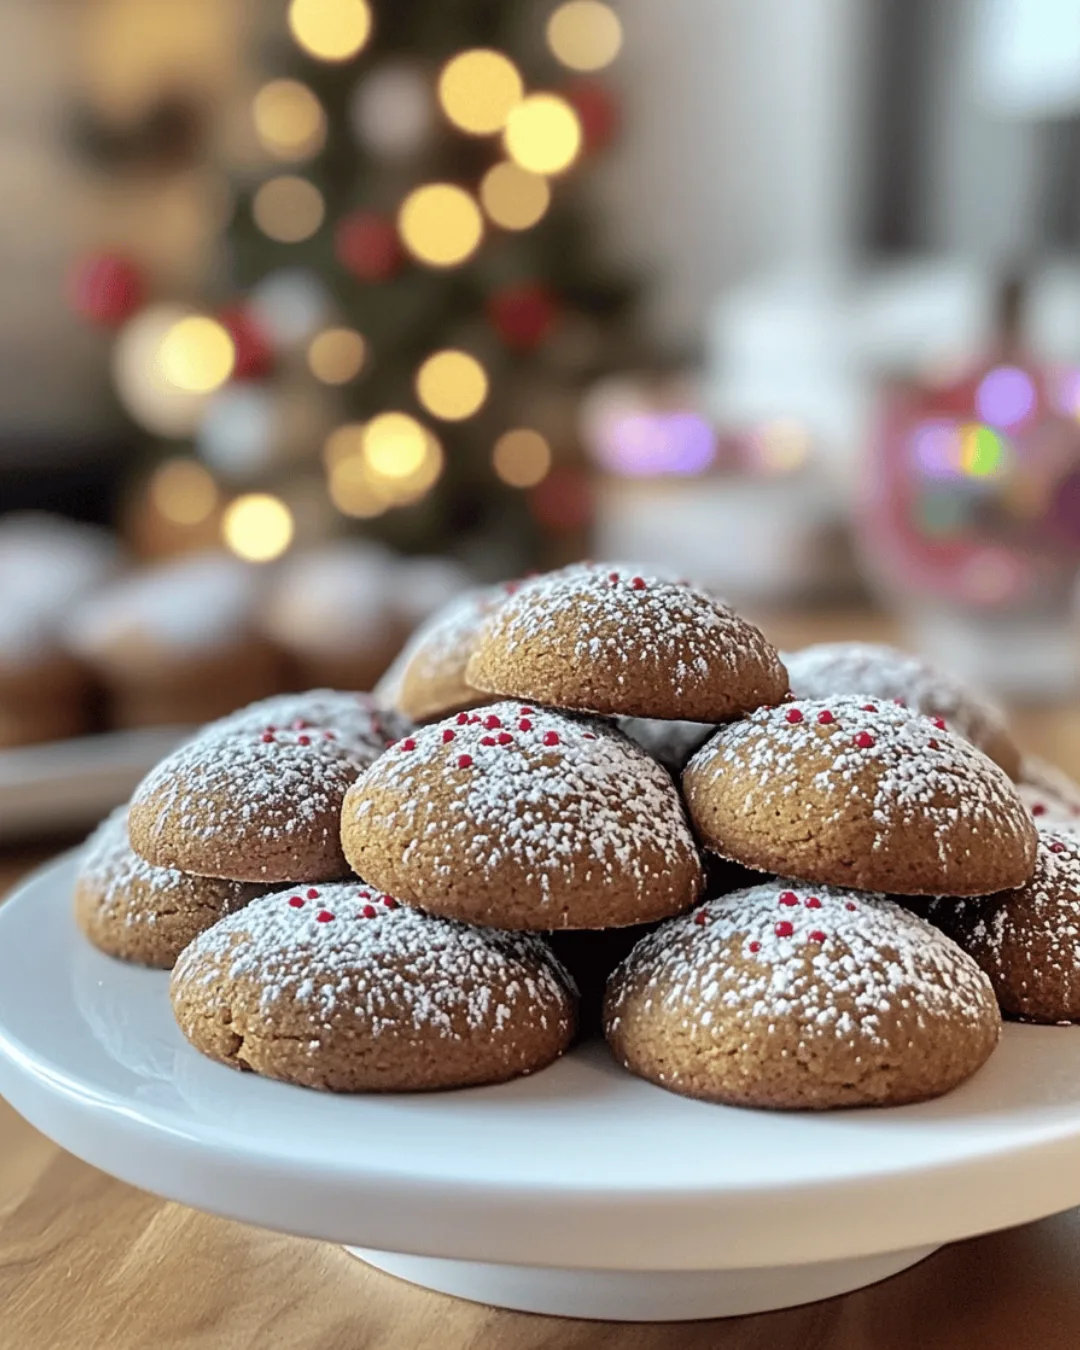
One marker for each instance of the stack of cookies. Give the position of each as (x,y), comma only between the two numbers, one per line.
(422,889)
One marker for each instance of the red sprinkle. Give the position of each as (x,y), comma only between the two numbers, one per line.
(638,583)
(369,911)
(525,712)
(313,894)
(788,898)
(849,905)
(268,736)
(464,761)
(793,715)
(323,916)
(408,743)
(932,743)
(487,740)
(588,735)
(817,935)
(869,707)
(329,736)
(299,725)
(524,725)
(900,702)
(613,577)
(864,740)
(755,946)
(447,736)
(939,722)
(1057,847)
(1038,809)
(461,719)
(296,902)
(813,903)
(491,722)
(701,917)
(505,738)
(474,719)
(303,740)
(389,902)
(784,929)
(551,738)
(825,717)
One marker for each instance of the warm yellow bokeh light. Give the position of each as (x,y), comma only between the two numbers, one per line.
(543,134)
(394,445)
(584,34)
(513,197)
(288,209)
(452,385)
(478,88)
(344,442)
(257,527)
(411,487)
(521,458)
(197,354)
(289,119)
(336,355)
(351,489)
(183,492)
(331,30)
(440,224)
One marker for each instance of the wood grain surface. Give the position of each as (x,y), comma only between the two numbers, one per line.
(87,1263)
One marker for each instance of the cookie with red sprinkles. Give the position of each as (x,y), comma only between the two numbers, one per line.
(881,672)
(791,997)
(860,792)
(339,987)
(141,913)
(1052,797)
(519,817)
(608,640)
(257,796)
(1027,940)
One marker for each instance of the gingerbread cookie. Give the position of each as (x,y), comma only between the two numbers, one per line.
(1051,796)
(880,672)
(520,817)
(357,720)
(338,987)
(1027,940)
(860,793)
(791,997)
(141,913)
(608,641)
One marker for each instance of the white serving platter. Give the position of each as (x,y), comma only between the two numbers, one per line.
(580,1191)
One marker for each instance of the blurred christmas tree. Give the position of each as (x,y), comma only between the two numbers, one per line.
(411,302)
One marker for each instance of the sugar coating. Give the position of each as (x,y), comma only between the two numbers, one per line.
(626,617)
(805,950)
(548,788)
(339,594)
(920,771)
(359,721)
(829,668)
(1052,797)
(384,964)
(110,866)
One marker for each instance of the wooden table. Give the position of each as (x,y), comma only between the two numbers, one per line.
(87,1263)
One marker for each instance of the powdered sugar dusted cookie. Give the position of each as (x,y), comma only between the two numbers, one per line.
(1027,940)
(610,641)
(1052,797)
(519,817)
(338,987)
(792,997)
(829,668)
(142,913)
(863,793)
(357,721)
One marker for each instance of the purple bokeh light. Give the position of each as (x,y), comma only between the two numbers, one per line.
(643,444)
(1005,396)
(936,448)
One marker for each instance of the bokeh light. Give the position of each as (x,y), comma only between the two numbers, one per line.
(197,354)
(440,224)
(779,447)
(343,443)
(149,396)
(543,134)
(584,34)
(183,492)
(394,445)
(935,446)
(289,119)
(513,197)
(1005,396)
(646,443)
(336,355)
(288,209)
(521,458)
(982,451)
(352,491)
(257,527)
(452,385)
(330,30)
(477,90)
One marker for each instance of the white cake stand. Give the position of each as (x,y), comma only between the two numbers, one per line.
(581,1191)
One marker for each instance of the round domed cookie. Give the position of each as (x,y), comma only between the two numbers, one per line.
(519,817)
(878,671)
(794,997)
(1027,940)
(339,987)
(608,641)
(141,913)
(357,720)
(1052,797)
(860,793)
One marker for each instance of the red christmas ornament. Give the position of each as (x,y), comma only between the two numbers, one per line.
(254,354)
(106,289)
(563,501)
(597,111)
(523,314)
(366,244)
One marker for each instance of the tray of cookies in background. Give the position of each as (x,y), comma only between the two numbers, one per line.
(106,665)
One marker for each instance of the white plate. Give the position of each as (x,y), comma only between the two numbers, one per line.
(580,1190)
(70,785)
